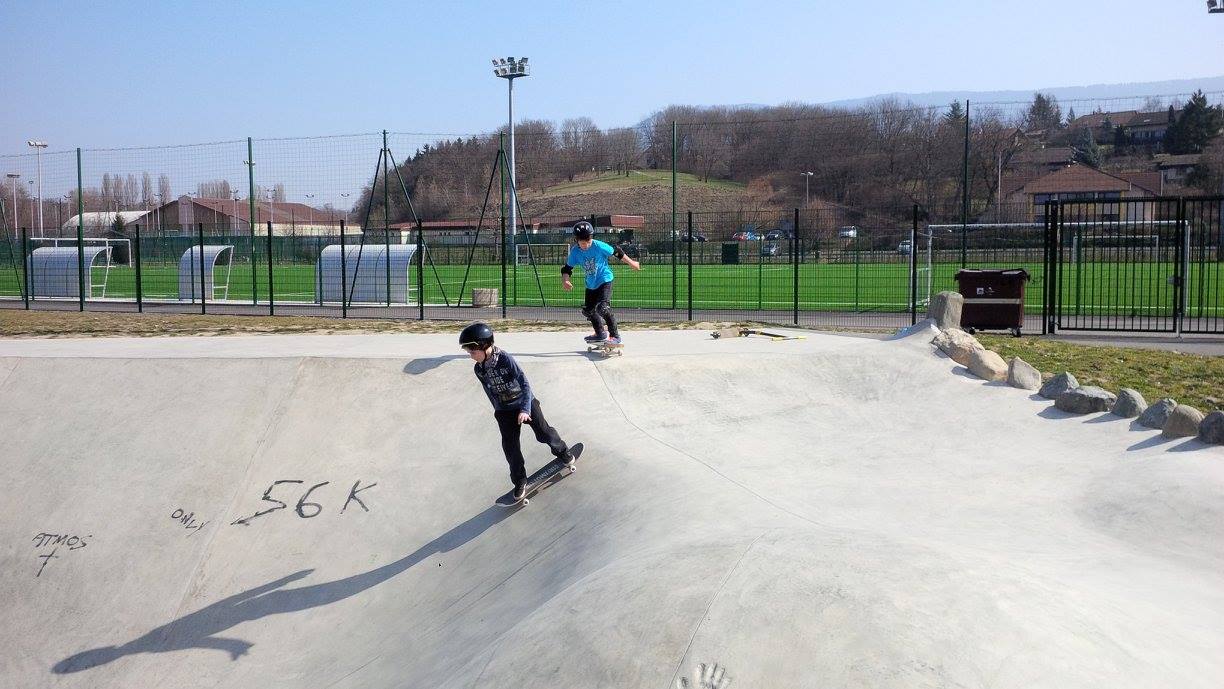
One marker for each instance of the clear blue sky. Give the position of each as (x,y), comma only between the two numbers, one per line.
(133,73)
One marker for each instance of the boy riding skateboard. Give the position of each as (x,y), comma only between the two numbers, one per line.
(513,402)
(592,255)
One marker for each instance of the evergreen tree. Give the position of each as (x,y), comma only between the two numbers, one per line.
(1043,113)
(1086,149)
(1197,125)
(1071,115)
(955,117)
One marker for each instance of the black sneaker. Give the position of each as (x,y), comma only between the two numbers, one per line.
(520,491)
(592,339)
(567,459)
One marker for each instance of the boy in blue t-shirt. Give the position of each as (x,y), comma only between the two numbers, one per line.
(592,255)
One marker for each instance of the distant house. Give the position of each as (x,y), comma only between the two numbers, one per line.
(185,212)
(1131,127)
(1083,183)
(1051,158)
(1175,168)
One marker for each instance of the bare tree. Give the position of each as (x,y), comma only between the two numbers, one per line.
(163,188)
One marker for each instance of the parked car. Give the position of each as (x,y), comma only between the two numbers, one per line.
(847,232)
(746,236)
(694,237)
(905,247)
(776,235)
(769,249)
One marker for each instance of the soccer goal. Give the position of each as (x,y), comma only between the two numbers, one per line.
(540,254)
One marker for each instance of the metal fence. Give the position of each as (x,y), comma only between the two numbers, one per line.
(1137,265)
(713,193)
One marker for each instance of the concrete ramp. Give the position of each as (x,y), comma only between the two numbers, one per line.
(827,512)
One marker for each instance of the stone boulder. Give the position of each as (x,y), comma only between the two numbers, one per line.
(1183,422)
(987,365)
(957,344)
(1021,374)
(1057,385)
(1085,400)
(1158,413)
(1130,404)
(1211,430)
(945,310)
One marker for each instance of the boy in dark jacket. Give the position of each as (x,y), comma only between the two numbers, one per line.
(513,402)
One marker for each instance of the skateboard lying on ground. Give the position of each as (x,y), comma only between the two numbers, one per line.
(745,332)
(547,474)
(606,348)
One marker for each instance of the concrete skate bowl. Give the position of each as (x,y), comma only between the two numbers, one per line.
(831,512)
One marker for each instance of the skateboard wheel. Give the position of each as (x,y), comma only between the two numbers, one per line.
(526,501)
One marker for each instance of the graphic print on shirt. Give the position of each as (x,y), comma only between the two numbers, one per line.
(501,380)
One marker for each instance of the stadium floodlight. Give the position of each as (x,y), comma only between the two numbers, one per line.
(38,146)
(807,177)
(511,69)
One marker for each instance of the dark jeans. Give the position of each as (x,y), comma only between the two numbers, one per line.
(507,423)
(598,309)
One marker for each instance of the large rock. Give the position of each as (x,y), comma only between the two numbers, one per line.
(484,296)
(1130,403)
(1085,400)
(1058,385)
(987,365)
(1021,374)
(957,344)
(1211,430)
(1183,422)
(945,310)
(1156,415)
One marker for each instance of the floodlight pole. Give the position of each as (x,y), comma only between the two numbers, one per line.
(807,198)
(511,69)
(38,147)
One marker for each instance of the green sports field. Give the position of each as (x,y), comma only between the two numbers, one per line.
(1089,288)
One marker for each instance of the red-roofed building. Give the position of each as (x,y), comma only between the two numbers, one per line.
(181,216)
(1080,183)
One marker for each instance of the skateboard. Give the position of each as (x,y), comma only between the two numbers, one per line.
(745,332)
(607,349)
(546,475)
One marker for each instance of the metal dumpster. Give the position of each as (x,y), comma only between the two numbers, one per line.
(994,299)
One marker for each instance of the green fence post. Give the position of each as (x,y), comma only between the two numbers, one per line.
(913,286)
(501,175)
(795,247)
(80,234)
(387,216)
(271,281)
(343,275)
(203,285)
(690,266)
(421,269)
(26,264)
(250,163)
(965,192)
(135,259)
(673,214)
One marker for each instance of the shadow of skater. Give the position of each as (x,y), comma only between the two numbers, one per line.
(418,366)
(200,629)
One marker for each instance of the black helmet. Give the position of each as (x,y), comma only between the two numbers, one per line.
(479,334)
(583,230)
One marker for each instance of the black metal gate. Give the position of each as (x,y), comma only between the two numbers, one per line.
(1135,265)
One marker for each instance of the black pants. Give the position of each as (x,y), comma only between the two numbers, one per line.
(507,423)
(598,309)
